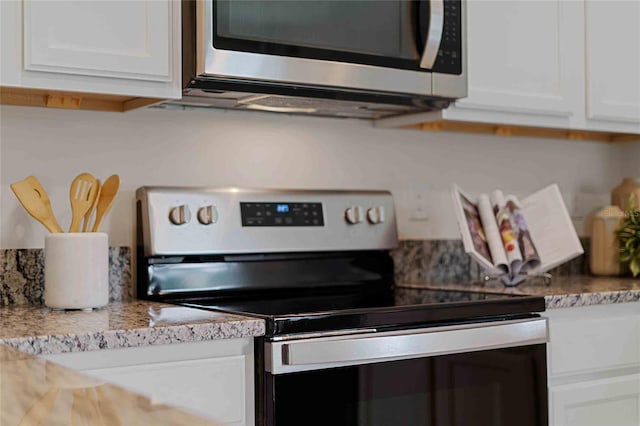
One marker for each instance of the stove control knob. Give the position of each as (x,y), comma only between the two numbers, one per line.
(375,215)
(354,215)
(180,215)
(207,215)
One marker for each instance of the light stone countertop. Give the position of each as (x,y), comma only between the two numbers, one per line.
(36,392)
(564,292)
(37,330)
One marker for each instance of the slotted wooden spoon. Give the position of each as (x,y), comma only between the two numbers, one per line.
(36,202)
(82,194)
(107,195)
(87,217)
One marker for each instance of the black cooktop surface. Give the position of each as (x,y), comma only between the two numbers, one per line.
(397,308)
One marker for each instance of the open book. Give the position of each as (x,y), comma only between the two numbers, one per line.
(511,238)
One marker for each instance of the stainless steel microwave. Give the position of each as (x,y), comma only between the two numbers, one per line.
(350,58)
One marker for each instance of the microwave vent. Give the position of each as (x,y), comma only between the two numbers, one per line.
(205,98)
(320,106)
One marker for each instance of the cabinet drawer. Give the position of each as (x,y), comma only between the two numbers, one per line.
(213,388)
(213,379)
(613,401)
(593,338)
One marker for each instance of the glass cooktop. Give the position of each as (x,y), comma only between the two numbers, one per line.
(400,307)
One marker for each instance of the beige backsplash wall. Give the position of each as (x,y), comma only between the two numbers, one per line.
(223,148)
(631,160)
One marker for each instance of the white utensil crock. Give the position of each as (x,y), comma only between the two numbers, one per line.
(76,270)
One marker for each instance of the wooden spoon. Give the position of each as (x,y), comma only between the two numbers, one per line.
(107,195)
(36,202)
(82,195)
(87,217)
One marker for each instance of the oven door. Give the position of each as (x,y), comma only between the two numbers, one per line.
(375,45)
(489,374)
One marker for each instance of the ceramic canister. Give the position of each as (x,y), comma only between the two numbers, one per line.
(620,194)
(76,270)
(604,243)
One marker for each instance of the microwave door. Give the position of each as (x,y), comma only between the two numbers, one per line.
(363,45)
(373,32)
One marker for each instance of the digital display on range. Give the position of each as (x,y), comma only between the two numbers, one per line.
(281,214)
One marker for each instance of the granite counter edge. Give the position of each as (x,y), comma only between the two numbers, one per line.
(574,300)
(136,337)
(552,301)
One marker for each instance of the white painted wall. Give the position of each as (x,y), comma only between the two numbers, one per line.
(631,160)
(224,148)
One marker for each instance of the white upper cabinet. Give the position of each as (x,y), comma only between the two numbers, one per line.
(118,39)
(613,64)
(124,47)
(523,60)
(559,64)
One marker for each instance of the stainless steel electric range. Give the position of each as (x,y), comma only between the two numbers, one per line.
(343,345)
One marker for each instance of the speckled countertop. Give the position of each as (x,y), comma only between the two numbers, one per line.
(38,330)
(38,392)
(564,292)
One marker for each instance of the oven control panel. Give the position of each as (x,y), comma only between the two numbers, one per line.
(183,221)
(281,213)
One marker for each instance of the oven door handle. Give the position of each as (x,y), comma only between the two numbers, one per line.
(287,356)
(434,35)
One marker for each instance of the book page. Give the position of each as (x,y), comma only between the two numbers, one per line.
(551,228)
(473,236)
(494,240)
(530,256)
(509,241)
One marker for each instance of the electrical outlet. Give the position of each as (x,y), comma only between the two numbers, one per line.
(418,207)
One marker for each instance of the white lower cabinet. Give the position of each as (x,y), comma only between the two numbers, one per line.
(212,379)
(606,402)
(594,365)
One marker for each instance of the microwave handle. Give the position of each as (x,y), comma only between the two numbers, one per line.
(434,36)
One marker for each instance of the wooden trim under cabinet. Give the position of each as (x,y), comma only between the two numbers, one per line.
(72,100)
(510,130)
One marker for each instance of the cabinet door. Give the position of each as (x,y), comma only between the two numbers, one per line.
(524,63)
(212,388)
(593,339)
(610,402)
(213,379)
(126,39)
(613,61)
(123,47)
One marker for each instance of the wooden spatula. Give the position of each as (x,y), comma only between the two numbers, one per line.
(82,194)
(36,202)
(107,195)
